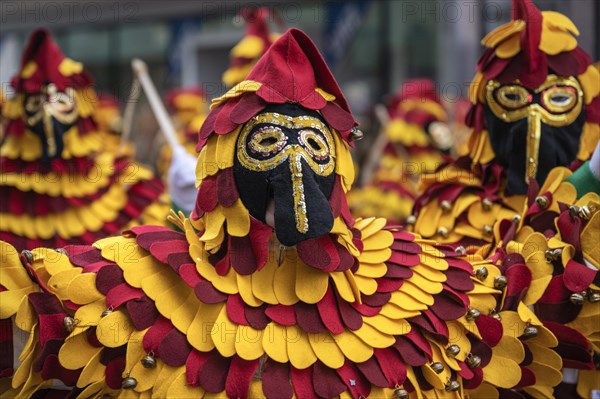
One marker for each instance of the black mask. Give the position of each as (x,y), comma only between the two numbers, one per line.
(50,116)
(533,131)
(286,153)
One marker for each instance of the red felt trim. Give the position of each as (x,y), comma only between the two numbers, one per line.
(239,377)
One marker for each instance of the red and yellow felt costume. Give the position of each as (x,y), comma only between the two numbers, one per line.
(415,110)
(189,108)
(59,186)
(257,39)
(222,308)
(533,75)
(549,257)
(107,115)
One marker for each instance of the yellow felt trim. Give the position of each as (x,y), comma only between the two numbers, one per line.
(477,88)
(68,67)
(235,75)
(327,96)
(589,139)
(344,165)
(424,104)
(249,47)
(499,34)
(246,86)
(557,33)
(590,83)
(509,47)
(29,69)
(405,133)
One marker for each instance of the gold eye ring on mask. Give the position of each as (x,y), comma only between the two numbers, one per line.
(60,105)
(561,101)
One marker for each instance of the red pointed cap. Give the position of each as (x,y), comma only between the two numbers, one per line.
(425,106)
(291,71)
(43,63)
(256,20)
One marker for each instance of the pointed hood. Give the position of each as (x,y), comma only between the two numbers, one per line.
(257,39)
(43,63)
(291,71)
(417,101)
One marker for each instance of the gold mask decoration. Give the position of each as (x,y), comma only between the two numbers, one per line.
(560,101)
(268,146)
(49,105)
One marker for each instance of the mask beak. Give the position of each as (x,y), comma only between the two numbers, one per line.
(534,134)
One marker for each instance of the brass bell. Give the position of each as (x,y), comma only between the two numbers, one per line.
(460,250)
(530,332)
(488,230)
(577,298)
(593,296)
(129,383)
(437,367)
(495,314)
(106,312)
(574,210)
(473,361)
(553,254)
(443,231)
(149,361)
(411,220)
(516,218)
(500,282)
(584,212)
(28,255)
(487,204)
(400,393)
(69,323)
(481,273)
(446,206)
(61,251)
(542,201)
(452,386)
(356,134)
(453,350)
(473,314)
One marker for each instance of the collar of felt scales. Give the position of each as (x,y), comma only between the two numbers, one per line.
(372,354)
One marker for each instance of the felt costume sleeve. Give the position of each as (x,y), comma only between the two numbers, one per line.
(148,315)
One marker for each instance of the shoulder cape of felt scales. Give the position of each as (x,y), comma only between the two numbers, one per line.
(81,196)
(524,49)
(395,187)
(306,332)
(550,257)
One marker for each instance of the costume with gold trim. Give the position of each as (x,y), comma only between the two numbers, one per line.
(59,184)
(222,308)
(536,105)
(417,136)
(257,39)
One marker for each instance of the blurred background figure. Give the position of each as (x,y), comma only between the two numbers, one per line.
(107,114)
(257,39)
(413,140)
(188,108)
(59,184)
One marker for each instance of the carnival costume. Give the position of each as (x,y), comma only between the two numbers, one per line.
(58,184)
(271,288)
(536,106)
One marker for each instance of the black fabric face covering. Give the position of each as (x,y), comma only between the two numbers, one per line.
(59,130)
(256,188)
(558,147)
